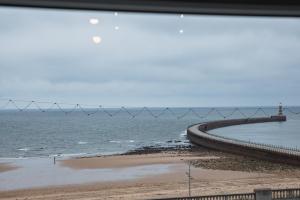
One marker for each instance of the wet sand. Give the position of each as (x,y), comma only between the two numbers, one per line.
(167,185)
(121,161)
(4,167)
(212,173)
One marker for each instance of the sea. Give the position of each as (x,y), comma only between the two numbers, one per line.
(32,133)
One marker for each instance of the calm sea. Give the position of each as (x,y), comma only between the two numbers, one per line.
(36,134)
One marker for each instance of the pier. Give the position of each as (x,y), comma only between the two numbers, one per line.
(198,135)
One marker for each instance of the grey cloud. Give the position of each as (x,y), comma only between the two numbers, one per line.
(218,61)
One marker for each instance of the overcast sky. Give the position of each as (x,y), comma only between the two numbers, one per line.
(49,55)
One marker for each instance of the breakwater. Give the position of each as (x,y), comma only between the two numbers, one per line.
(198,135)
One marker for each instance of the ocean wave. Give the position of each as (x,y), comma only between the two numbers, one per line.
(183,133)
(12,158)
(115,141)
(81,142)
(67,155)
(23,149)
(122,141)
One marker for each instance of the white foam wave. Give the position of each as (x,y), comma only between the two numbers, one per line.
(67,155)
(122,141)
(115,141)
(11,158)
(82,142)
(183,134)
(24,149)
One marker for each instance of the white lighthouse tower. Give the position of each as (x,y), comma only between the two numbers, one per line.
(279,116)
(280,112)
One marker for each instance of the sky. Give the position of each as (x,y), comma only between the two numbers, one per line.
(148,59)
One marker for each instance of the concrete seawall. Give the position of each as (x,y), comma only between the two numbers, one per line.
(198,135)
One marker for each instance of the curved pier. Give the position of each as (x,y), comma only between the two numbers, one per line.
(198,135)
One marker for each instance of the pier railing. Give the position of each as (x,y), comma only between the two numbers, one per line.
(286,194)
(261,194)
(244,196)
(269,147)
(198,134)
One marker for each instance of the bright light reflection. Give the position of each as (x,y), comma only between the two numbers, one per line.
(116,28)
(96,39)
(94,21)
(181,16)
(180,31)
(116,13)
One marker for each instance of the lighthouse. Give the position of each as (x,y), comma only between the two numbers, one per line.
(279,115)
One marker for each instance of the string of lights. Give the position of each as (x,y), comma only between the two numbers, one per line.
(133,112)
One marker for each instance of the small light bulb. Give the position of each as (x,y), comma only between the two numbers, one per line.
(94,21)
(96,39)
(180,31)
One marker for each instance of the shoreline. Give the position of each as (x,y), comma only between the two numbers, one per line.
(5,167)
(190,151)
(213,172)
(147,155)
(199,156)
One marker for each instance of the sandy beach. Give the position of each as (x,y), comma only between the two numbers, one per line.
(131,160)
(212,173)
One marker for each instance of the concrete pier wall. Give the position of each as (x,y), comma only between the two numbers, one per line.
(198,135)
